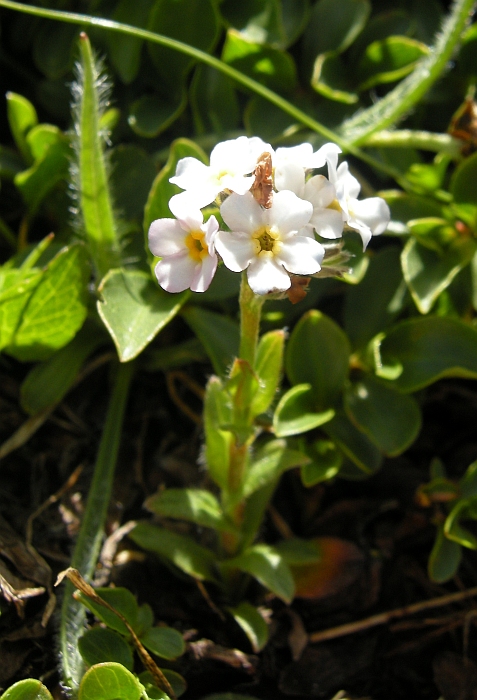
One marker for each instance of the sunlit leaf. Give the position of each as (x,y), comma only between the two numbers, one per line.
(109,681)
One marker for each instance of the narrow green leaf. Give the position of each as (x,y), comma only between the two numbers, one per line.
(92,184)
(165,642)
(420,351)
(218,441)
(21,118)
(269,568)
(269,368)
(391,420)
(252,623)
(29,689)
(186,554)
(295,415)
(109,681)
(194,505)
(218,334)
(270,462)
(99,645)
(134,309)
(318,354)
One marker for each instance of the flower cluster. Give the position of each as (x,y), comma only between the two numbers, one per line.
(272,204)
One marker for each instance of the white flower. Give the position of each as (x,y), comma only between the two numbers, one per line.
(187,248)
(290,163)
(231,166)
(369,217)
(269,243)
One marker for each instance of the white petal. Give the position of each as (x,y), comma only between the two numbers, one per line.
(210,228)
(235,249)
(319,191)
(327,223)
(236,183)
(373,212)
(288,212)
(349,182)
(300,155)
(194,199)
(242,213)
(301,255)
(187,211)
(166,237)
(203,274)
(176,272)
(190,172)
(265,275)
(289,176)
(328,153)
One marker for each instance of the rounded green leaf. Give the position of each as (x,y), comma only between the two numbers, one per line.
(214,102)
(133,172)
(124,50)
(463,184)
(294,413)
(134,309)
(444,559)
(389,59)
(359,449)
(267,21)
(165,642)
(176,681)
(218,334)
(318,354)
(21,117)
(99,645)
(390,419)
(60,39)
(28,689)
(121,599)
(109,681)
(326,460)
(150,115)
(420,351)
(331,78)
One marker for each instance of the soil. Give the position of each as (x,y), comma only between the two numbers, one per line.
(387,538)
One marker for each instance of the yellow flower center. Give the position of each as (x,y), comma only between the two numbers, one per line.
(334,205)
(267,241)
(197,246)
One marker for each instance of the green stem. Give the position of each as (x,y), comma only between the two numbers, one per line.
(8,234)
(88,544)
(423,140)
(250,312)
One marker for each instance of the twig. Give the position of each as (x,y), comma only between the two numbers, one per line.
(383,618)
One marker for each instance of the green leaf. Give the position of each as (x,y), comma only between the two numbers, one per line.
(468,483)
(94,199)
(270,462)
(132,176)
(463,185)
(387,60)
(453,530)
(134,310)
(318,354)
(165,642)
(264,563)
(218,441)
(55,61)
(194,505)
(252,623)
(21,118)
(150,115)
(354,443)
(194,22)
(43,312)
(109,681)
(326,460)
(188,556)
(268,367)
(162,190)
(420,351)
(275,69)
(331,78)
(121,599)
(367,313)
(47,383)
(98,645)
(295,412)
(29,689)
(468,52)
(51,169)
(177,682)
(296,551)
(276,22)
(444,559)
(214,102)
(218,334)
(333,27)
(405,207)
(242,387)
(428,272)
(391,420)
(124,50)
